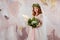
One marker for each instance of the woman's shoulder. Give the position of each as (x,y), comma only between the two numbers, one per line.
(40,16)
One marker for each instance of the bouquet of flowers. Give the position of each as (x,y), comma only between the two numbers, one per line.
(33,22)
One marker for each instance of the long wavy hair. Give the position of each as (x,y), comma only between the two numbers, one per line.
(39,11)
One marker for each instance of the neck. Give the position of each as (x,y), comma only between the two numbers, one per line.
(36,13)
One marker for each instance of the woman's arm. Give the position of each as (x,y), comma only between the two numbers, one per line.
(40,23)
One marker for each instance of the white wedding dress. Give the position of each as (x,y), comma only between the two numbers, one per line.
(38,33)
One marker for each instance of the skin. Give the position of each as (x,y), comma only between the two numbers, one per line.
(36,10)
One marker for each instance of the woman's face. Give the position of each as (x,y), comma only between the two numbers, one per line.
(36,9)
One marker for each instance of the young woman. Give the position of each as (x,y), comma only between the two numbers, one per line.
(38,33)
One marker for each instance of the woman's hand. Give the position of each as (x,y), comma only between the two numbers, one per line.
(40,24)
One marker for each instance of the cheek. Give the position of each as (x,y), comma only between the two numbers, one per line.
(36,9)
